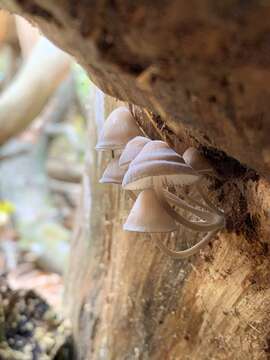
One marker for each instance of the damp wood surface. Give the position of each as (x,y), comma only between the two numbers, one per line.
(197,73)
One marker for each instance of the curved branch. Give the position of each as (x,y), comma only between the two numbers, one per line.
(28,35)
(27,95)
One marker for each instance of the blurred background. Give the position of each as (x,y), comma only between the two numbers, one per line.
(44,103)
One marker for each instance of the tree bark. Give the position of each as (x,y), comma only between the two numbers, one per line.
(203,69)
(202,66)
(130,301)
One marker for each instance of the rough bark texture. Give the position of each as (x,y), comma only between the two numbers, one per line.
(202,67)
(129,301)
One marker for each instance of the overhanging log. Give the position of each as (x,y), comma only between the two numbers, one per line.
(203,66)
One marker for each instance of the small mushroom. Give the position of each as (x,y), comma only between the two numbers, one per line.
(119,128)
(194,158)
(148,216)
(113,174)
(131,150)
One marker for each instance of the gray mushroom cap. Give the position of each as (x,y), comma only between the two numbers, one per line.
(119,128)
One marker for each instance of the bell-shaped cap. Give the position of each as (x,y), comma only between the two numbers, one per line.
(157,160)
(194,158)
(148,216)
(132,149)
(119,128)
(113,174)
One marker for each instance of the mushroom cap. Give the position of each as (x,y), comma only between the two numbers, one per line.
(113,174)
(132,149)
(196,160)
(162,163)
(148,216)
(119,128)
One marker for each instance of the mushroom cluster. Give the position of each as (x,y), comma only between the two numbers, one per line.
(150,167)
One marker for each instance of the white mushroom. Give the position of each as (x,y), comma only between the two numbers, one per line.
(150,164)
(119,128)
(150,170)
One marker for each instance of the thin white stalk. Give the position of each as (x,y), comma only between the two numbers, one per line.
(184,253)
(205,215)
(209,204)
(194,202)
(217,223)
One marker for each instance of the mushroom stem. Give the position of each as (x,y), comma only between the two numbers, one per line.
(208,203)
(205,215)
(217,223)
(194,202)
(184,253)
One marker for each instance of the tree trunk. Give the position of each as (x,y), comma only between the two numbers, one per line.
(203,69)
(130,301)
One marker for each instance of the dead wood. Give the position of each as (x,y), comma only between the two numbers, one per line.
(203,67)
